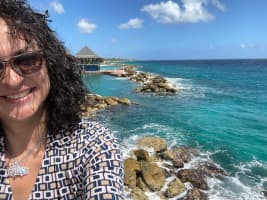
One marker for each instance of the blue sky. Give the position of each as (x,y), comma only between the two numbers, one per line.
(158,29)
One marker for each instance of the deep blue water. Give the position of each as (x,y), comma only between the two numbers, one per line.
(221,109)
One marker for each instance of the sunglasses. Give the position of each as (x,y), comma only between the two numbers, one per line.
(23,64)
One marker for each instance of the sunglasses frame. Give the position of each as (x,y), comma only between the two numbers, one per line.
(17,69)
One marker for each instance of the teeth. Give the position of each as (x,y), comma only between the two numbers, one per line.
(20,95)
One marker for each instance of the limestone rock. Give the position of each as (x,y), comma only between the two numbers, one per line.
(130,179)
(110,101)
(182,153)
(196,194)
(142,154)
(141,184)
(152,175)
(174,156)
(193,176)
(168,154)
(209,169)
(138,194)
(124,101)
(156,143)
(175,188)
(178,163)
(131,166)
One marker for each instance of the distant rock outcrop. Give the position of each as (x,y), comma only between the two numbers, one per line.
(96,102)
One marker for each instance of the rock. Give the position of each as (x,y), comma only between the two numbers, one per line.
(175,188)
(141,184)
(182,153)
(138,194)
(168,169)
(110,101)
(172,155)
(130,179)
(193,176)
(131,167)
(142,154)
(211,169)
(131,164)
(156,143)
(101,106)
(168,154)
(196,194)
(178,163)
(124,101)
(152,175)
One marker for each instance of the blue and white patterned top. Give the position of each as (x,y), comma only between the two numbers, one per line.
(82,162)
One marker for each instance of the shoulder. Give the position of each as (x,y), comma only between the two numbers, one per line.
(94,131)
(84,134)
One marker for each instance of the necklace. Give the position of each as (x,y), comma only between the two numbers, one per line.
(15,167)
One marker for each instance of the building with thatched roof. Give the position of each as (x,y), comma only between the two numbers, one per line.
(88,59)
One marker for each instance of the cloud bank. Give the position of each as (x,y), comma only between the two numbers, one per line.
(57,7)
(135,23)
(85,26)
(191,11)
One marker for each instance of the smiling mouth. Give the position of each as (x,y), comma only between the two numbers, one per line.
(19,95)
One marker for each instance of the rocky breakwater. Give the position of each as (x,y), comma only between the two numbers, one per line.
(162,172)
(149,83)
(96,102)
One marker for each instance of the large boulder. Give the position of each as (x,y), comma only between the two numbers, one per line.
(138,194)
(210,169)
(142,154)
(125,101)
(196,194)
(175,188)
(141,184)
(156,143)
(131,167)
(152,175)
(182,153)
(174,156)
(193,176)
(110,101)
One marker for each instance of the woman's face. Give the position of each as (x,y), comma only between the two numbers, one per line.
(21,97)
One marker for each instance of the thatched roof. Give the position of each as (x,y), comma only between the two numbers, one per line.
(86,52)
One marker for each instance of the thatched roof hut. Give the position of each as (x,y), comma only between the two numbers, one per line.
(88,59)
(86,52)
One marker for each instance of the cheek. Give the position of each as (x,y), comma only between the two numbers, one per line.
(44,84)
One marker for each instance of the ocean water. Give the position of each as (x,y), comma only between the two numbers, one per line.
(221,110)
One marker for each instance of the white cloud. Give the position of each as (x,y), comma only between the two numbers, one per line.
(218,5)
(57,7)
(85,26)
(135,23)
(191,11)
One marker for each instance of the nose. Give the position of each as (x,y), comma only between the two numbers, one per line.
(11,78)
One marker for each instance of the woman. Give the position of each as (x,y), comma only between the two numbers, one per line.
(46,150)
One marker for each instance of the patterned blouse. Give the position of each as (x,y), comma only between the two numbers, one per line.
(82,162)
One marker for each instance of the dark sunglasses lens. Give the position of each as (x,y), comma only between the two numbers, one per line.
(28,63)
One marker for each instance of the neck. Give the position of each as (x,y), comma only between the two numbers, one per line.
(22,134)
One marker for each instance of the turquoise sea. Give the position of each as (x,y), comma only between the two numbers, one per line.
(221,110)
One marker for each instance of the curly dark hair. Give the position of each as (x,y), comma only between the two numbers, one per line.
(67,92)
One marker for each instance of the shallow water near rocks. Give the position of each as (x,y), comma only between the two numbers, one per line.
(221,110)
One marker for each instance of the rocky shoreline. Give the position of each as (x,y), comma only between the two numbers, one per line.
(150,83)
(95,103)
(153,167)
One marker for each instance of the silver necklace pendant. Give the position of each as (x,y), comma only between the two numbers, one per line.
(15,169)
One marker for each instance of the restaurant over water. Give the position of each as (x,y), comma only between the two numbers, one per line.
(88,60)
